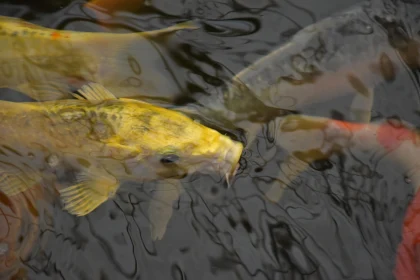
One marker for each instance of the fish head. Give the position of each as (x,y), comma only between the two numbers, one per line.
(174,145)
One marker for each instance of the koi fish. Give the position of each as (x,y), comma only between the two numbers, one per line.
(106,141)
(407,260)
(48,64)
(314,138)
(308,139)
(346,53)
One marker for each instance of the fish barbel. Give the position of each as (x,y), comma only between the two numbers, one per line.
(106,141)
(48,64)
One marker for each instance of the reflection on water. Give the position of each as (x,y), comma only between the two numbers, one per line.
(337,195)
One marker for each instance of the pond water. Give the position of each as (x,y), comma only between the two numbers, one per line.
(340,217)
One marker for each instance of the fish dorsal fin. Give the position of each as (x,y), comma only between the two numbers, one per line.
(93,188)
(94,92)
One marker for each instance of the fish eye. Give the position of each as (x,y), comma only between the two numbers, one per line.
(169,158)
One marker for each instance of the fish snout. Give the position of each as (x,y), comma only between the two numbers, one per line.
(230,158)
(234,154)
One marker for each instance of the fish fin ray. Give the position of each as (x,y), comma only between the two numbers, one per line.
(95,91)
(11,184)
(92,189)
(14,181)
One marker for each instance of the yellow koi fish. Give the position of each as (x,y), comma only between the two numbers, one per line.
(106,141)
(48,64)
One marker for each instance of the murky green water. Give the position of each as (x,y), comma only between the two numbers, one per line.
(340,218)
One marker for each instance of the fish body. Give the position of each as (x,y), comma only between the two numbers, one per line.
(308,139)
(349,53)
(407,260)
(106,141)
(48,64)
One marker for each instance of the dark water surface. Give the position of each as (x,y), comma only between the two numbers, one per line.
(340,219)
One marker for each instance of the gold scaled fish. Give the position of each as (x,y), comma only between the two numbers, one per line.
(47,64)
(106,141)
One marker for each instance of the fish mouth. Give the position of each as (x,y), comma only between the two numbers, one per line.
(233,155)
(231,164)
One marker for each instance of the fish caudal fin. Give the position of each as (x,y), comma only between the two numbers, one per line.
(160,207)
(94,92)
(92,189)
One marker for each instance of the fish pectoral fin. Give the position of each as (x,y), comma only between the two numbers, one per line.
(13,184)
(92,189)
(94,92)
(160,207)
(361,106)
(289,170)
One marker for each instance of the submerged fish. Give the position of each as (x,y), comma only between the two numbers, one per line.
(106,141)
(48,64)
(308,139)
(349,53)
(407,261)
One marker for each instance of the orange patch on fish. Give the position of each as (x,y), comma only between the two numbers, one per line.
(55,35)
(353,127)
(391,137)
(408,252)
